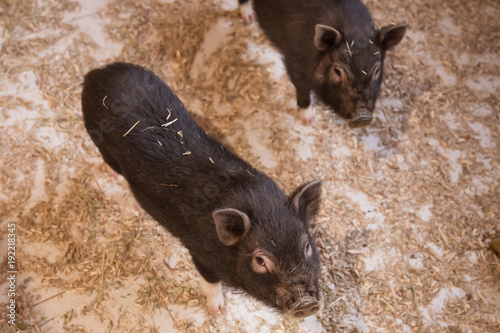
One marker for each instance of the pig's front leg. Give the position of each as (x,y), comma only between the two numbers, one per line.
(306,108)
(308,115)
(212,289)
(246,11)
(215,298)
(303,91)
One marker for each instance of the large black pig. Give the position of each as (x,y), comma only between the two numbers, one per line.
(238,226)
(330,47)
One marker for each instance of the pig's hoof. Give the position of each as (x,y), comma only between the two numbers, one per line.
(247,12)
(215,298)
(308,115)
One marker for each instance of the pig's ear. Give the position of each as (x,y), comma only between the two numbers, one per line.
(326,37)
(391,35)
(306,199)
(231,225)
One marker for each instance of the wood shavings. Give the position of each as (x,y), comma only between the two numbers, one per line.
(434,253)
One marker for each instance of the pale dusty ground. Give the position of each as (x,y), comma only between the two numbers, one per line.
(410,203)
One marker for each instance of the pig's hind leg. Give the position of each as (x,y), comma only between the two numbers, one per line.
(211,287)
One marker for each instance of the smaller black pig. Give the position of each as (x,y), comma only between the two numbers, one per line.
(238,226)
(330,47)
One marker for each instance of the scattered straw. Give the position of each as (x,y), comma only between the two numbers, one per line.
(348,48)
(169,123)
(104,103)
(49,298)
(131,128)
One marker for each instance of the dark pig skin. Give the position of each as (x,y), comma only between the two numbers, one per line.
(330,47)
(238,226)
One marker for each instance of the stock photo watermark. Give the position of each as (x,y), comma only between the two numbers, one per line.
(11,273)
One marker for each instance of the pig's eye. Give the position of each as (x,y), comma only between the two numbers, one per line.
(260,261)
(308,250)
(376,73)
(337,74)
(261,264)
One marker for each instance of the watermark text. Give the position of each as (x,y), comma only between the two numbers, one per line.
(11,272)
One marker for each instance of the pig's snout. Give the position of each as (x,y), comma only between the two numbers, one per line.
(297,302)
(361,118)
(304,307)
